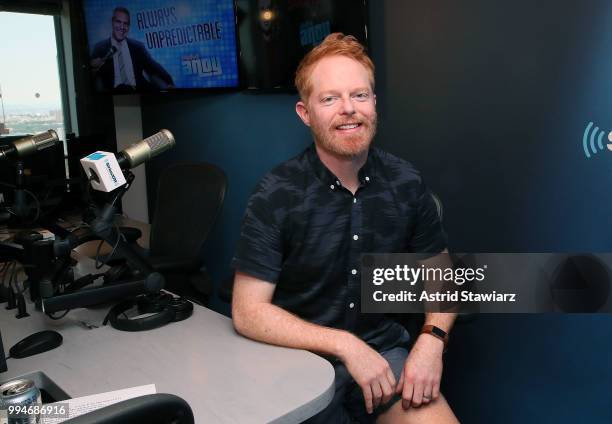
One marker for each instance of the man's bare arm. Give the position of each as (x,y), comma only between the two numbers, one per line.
(422,374)
(255,316)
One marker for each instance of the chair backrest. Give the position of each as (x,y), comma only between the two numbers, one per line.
(189,199)
(159,408)
(439,206)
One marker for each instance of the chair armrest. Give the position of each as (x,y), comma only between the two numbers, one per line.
(159,408)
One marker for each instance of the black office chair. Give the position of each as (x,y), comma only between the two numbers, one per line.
(159,408)
(189,199)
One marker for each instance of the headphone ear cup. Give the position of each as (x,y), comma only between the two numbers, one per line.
(182,308)
(163,317)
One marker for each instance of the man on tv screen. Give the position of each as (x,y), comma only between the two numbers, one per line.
(120,63)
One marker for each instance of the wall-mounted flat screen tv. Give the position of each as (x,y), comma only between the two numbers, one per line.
(158,45)
(274,35)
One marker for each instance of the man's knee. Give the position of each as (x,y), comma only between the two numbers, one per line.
(437,411)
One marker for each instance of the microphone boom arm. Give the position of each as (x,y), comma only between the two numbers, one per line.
(102,227)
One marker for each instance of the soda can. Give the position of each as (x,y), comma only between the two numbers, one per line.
(17,397)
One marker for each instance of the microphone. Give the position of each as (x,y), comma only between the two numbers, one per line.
(109,54)
(146,149)
(105,169)
(31,144)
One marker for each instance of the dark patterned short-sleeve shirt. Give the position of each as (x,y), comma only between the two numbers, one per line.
(305,232)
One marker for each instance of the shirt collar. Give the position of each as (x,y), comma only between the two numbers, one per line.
(116,43)
(365,174)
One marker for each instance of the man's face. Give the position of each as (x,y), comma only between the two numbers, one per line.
(121,25)
(341,108)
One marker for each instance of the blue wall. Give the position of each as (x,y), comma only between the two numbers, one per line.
(490,101)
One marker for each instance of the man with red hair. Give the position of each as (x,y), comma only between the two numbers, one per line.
(307,223)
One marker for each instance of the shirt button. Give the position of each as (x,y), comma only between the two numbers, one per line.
(332,187)
(354,271)
(337,183)
(355,237)
(367,178)
(354,200)
(351,305)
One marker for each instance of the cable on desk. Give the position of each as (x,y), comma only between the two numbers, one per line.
(50,315)
(36,201)
(100,264)
(13,280)
(5,272)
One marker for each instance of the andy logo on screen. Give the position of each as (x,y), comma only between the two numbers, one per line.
(122,64)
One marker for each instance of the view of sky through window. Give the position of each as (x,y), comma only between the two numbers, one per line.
(29,79)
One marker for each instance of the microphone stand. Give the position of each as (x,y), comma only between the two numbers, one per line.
(102,227)
(20,208)
(3,367)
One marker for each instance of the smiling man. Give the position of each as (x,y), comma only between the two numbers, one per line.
(123,64)
(307,223)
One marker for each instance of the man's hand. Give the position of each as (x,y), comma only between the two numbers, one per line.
(96,64)
(422,373)
(371,372)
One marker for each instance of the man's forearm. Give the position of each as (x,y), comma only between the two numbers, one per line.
(271,324)
(441,319)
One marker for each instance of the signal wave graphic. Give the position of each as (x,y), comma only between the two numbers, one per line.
(589,143)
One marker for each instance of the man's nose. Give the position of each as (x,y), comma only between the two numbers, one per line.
(347,106)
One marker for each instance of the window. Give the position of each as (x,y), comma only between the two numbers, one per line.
(30,87)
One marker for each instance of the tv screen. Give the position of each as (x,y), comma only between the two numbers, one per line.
(143,45)
(275,35)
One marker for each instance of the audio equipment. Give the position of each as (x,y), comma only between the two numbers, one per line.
(162,307)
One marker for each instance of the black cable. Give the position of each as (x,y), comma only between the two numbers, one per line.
(13,280)
(3,271)
(37,207)
(100,264)
(53,317)
(9,271)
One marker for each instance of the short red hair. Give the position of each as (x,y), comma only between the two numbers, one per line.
(335,44)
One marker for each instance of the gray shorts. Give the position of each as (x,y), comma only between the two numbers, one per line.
(348,404)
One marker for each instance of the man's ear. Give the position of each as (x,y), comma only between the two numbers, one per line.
(302,111)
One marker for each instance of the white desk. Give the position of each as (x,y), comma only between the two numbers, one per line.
(224,377)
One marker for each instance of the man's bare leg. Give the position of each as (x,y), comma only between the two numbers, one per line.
(436,412)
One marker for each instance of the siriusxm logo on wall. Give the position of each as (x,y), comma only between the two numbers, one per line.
(592,140)
(162,44)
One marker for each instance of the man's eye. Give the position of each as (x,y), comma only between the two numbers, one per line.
(362,96)
(328,100)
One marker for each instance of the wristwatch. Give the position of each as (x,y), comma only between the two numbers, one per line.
(437,332)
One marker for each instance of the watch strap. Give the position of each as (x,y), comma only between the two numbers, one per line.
(437,332)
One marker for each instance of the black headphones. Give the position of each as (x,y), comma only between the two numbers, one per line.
(164,308)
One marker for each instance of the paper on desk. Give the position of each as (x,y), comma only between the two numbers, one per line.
(82,405)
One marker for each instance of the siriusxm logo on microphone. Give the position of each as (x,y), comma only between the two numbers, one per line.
(110,171)
(96,156)
(104,171)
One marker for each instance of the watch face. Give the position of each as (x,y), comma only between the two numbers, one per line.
(438,332)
